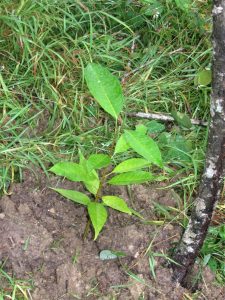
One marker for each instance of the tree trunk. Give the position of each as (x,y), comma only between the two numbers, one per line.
(212,179)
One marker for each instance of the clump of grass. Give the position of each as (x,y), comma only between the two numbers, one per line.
(46,112)
(14,289)
(212,252)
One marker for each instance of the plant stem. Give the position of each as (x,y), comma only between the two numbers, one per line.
(86,230)
(102,180)
(97,197)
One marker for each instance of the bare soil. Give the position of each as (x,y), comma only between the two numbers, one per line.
(41,238)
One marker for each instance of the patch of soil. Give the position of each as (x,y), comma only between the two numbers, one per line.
(41,238)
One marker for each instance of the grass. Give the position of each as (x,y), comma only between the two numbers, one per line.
(14,289)
(212,252)
(46,112)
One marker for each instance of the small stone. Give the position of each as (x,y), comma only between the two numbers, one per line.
(52,210)
(2,216)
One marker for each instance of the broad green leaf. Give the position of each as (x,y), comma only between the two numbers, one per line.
(92,181)
(70,170)
(164,138)
(206,259)
(203,77)
(155,127)
(93,185)
(131,178)
(131,165)
(107,255)
(145,146)
(154,8)
(116,203)
(181,119)
(175,148)
(121,145)
(98,215)
(185,5)
(75,196)
(105,88)
(142,129)
(98,161)
(82,158)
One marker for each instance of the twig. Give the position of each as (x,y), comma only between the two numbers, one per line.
(163,118)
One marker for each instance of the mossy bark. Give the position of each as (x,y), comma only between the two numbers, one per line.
(213,176)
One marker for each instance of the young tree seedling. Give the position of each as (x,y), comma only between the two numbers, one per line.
(107,91)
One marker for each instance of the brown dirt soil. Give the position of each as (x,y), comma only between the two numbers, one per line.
(41,238)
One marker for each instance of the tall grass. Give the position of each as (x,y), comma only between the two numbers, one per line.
(46,113)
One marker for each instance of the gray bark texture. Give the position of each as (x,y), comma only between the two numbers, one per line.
(211,184)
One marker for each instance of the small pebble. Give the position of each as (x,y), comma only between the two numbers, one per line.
(52,210)
(2,216)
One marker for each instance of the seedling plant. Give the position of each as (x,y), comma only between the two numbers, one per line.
(99,169)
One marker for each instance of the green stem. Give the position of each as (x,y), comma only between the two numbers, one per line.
(102,179)
(86,230)
(97,197)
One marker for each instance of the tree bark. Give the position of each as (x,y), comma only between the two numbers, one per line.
(211,184)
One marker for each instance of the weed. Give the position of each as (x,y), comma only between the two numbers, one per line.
(107,91)
(45,112)
(212,252)
(14,289)
(75,257)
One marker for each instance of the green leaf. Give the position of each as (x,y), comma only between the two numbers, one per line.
(121,145)
(181,119)
(105,88)
(145,146)
(119,253)
(116,203)
(91,181)
(175,148)
(70,170)
(131,178)
(98,161)
(164,138)
(203,77)
(222,232)
(93,185)
(98,215)
(206,259)
(75,196)
(185,5)
(154,8)
(213,264)
(136,213)
(131,165)
(142,129)
(154,127)
(107,255)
